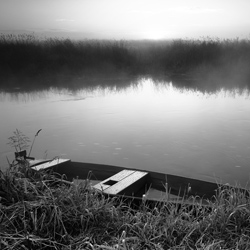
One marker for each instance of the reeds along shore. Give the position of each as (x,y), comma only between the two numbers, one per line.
(39,210)
(27,60)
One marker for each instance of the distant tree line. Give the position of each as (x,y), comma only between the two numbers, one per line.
(27,60)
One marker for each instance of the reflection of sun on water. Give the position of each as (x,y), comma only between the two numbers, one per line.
(148,92)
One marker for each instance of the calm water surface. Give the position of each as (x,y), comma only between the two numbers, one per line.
(151,127)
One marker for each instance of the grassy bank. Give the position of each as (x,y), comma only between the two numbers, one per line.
(39,210)
(206,63)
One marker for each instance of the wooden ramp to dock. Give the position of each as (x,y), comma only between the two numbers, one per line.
(42,164)
(126,182)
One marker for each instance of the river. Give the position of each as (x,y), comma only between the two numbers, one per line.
(146,126)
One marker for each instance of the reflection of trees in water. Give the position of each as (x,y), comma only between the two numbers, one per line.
(146,87)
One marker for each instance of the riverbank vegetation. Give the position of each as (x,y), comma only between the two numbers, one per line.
(41,210)
(27,61)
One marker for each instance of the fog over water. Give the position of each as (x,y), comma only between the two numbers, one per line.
(149,125)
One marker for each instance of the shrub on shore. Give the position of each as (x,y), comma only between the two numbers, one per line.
(40,210)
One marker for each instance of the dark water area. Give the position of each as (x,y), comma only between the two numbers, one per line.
(144,123)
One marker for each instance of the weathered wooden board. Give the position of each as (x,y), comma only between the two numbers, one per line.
(115,178)
(49,164)
(125,180)
(35,162)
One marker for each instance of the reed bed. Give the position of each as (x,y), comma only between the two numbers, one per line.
(32,62)
(41,210)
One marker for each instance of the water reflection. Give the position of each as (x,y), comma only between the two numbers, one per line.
(147,125)
(143,88)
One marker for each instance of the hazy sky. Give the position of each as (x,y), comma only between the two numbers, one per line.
(128,19)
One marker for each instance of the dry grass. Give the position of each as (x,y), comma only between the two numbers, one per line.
(40,210)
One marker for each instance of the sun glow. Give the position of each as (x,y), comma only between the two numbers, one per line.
(155,35)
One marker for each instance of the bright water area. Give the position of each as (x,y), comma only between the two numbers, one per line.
(146,126)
